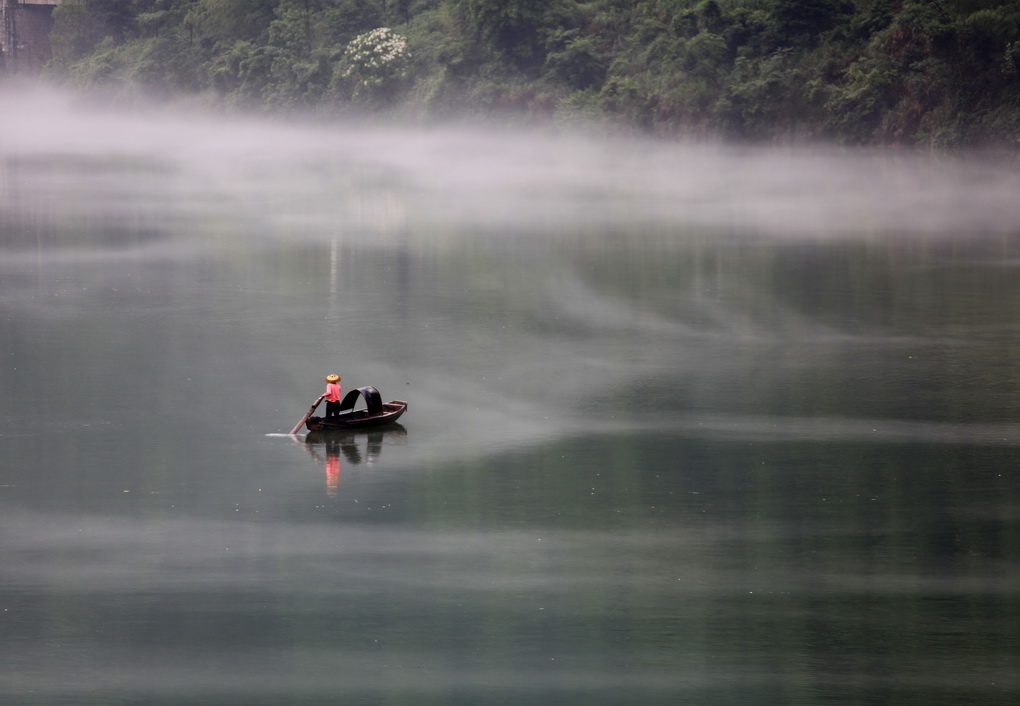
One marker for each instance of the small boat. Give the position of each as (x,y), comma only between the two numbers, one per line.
(376,412)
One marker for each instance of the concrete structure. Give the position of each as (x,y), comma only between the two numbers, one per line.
(25,40)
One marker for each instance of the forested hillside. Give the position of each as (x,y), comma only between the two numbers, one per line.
(930,73)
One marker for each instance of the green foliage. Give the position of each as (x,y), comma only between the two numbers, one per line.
(518,29)
(338,23)
(73,36)
(575,60)
(858,71)
(766,99)
(228,21)
(803,21)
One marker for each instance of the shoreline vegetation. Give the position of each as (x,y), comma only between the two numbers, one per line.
(927,74)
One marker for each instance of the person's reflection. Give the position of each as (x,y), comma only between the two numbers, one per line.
(330,462)
(335,445)
(332,468)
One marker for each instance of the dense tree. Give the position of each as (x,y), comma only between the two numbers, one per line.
(807,20)
(929,72)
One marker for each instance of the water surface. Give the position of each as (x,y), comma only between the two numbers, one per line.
(686,423)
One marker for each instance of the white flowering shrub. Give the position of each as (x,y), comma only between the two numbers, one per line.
(375,60)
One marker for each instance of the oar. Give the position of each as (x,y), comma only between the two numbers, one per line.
(305,418)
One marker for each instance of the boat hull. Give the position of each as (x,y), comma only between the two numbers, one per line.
(358,419)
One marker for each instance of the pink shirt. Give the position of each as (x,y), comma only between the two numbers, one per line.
(332,392)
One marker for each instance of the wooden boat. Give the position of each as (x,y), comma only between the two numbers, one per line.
(375,413)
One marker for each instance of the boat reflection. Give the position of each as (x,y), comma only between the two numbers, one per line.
(357,447)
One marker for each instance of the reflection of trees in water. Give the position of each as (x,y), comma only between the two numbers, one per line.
(326,447)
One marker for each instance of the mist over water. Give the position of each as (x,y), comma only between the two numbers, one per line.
(293,176)
(687,422)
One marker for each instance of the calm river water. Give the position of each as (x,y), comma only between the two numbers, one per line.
(687,424)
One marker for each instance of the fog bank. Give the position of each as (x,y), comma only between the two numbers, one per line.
(309,178)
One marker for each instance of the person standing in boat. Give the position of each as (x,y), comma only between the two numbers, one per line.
(332,395)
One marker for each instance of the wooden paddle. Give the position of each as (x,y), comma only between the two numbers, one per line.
(304,419)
